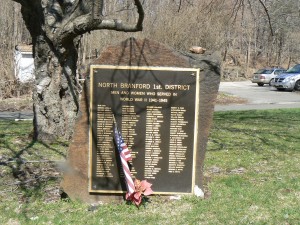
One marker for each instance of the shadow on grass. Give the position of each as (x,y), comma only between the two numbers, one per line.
(27,170)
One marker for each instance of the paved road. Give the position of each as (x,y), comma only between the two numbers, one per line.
(24,115)
(265,97)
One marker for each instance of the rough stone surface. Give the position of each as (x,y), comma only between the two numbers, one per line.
(143,52)
(76,171)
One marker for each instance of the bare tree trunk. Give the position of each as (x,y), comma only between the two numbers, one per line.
(280,48)
(289,62)
(255,47)
(225,54)
(248,55)
(56,93)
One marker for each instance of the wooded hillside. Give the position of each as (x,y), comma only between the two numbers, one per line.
(248,34)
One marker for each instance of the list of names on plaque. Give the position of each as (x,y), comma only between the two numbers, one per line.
(105,148)
(156,111)
(154,119)
(177,152)
(129,121)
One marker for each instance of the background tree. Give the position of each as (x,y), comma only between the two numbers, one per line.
(56,27)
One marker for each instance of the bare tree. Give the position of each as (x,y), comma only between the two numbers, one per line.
(56,27)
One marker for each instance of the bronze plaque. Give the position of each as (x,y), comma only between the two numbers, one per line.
(156,109)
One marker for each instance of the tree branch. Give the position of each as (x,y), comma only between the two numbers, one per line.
(268,15)
(141,13)
(86,23)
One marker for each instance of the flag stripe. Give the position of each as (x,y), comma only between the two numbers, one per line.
(125,156)
(130,184)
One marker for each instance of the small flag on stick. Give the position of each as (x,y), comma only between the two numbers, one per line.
(125,156)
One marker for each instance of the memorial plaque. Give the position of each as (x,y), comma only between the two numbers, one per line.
(156,110)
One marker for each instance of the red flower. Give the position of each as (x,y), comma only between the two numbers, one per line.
(142,188)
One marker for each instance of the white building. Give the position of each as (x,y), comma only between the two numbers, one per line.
(24,63)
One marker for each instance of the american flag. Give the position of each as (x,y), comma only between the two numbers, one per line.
(125,156)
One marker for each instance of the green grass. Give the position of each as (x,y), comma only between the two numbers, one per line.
(251,177)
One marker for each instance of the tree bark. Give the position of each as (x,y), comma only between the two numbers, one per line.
(56,92)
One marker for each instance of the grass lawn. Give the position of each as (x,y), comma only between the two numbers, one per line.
(251,177)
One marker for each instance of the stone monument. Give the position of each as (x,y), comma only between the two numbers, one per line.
(163,102)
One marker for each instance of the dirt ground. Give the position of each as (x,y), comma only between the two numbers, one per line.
(16,104)
(225,99)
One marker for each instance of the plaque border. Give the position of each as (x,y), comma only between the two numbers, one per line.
(196,124)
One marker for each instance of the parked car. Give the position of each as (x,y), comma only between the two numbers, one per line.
(290,80)
(266,76)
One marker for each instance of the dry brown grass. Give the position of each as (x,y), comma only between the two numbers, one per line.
(16,104)
(226,99)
